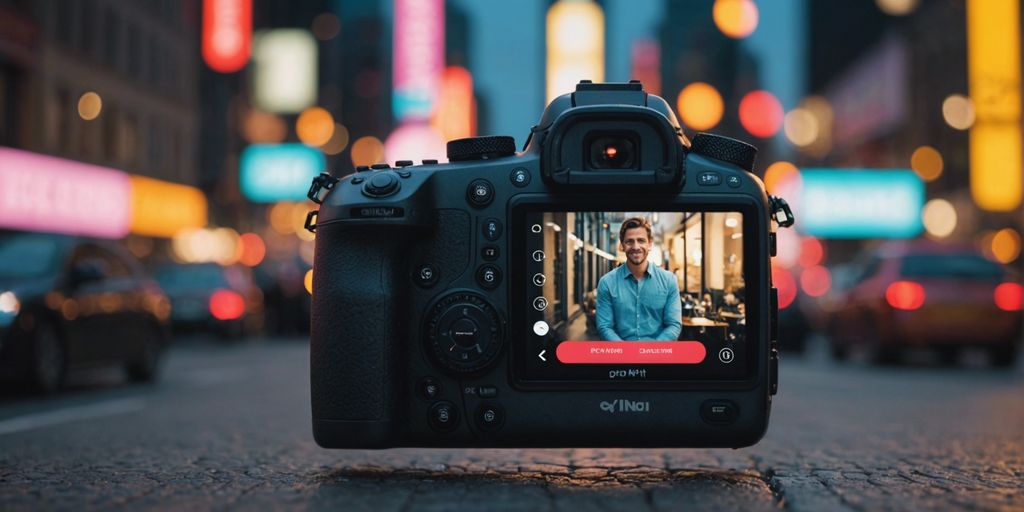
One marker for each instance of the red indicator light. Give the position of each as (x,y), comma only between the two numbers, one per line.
(226,305)
(906,295)
(1008,296)
(610,151)
(630,352)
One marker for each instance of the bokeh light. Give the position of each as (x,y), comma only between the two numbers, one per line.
(308,281)
(735,18)
(821,109)
(326,26)
(939,218)
(414,141)
(220,245)
(779,174)
(1009,296)
(812,252)
(367,150)
(897,7)
(261,127)
(815,281)
(788,248)
(89,106)
(700,106)
(298,220)
(783,280)
(761,114)
(338,141)
(958,111)
(284,219)
(253,249)
(1006,245)
(801,127)
(927,163)
(315,126)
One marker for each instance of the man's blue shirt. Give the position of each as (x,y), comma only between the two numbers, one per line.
(646,310)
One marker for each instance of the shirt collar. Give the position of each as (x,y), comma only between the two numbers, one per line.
(628,274)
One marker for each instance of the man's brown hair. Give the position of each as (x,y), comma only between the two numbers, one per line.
(635,222)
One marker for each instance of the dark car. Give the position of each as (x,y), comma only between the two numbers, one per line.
(67,302)
(929,295)
(211,297)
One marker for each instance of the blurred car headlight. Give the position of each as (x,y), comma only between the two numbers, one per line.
(9,306)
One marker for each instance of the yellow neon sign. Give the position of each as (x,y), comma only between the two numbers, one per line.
(993,67)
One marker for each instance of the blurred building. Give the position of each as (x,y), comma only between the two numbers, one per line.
(695,50)
(140,58)
(885,82)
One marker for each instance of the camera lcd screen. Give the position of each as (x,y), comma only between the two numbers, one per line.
(635,295)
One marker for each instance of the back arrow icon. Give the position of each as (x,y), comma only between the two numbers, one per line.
(541,355)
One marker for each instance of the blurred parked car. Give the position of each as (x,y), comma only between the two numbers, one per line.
(926,294)
(207,296)
(67,302)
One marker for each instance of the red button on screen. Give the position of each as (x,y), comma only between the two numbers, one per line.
(630,352)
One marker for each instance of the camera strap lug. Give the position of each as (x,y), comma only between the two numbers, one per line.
(781,213)
(310,224)
(318,190)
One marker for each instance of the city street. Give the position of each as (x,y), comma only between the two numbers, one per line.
(229,426)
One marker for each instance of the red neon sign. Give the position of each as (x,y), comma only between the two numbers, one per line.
(227,34)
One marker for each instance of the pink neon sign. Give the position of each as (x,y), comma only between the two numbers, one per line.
(45,193)
(418,57)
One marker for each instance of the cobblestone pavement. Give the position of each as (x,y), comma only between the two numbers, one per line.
(229,427)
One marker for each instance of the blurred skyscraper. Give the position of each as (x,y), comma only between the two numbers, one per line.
(139,58)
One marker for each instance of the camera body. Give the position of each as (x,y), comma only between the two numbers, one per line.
(428,279)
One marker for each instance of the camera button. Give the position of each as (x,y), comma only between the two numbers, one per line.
(428,388)
(726,355)
(430,161)
(357,180)
(425,276)
(733,181)
(719,412)
(487,391)
(403,163)
(490,253)
(443,416)
(709,179)
(520,177)
(381,185)
(492,229)
(488,276)
(404,174)
(480,193)
(490,417)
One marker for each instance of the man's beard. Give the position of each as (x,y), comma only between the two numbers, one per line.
(637,257)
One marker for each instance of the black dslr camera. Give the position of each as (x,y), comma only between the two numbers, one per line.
(609,286)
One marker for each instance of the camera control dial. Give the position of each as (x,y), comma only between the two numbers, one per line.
(725,149)
(463,333)
(481,148)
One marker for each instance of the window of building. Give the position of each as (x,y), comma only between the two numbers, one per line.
(111,38)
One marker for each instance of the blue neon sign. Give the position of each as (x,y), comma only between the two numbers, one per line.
(279,172)
(860,203)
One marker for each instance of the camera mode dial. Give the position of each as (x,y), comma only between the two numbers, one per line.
(481,148)
(463,333)
(725,149)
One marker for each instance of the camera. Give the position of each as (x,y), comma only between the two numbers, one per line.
(607,286)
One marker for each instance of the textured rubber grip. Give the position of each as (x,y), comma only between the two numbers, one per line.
(356,319)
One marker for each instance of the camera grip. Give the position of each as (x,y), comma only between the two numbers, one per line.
(356,319)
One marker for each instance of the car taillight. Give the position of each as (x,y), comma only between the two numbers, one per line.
(226,305)
(906,295)
(1008,296)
